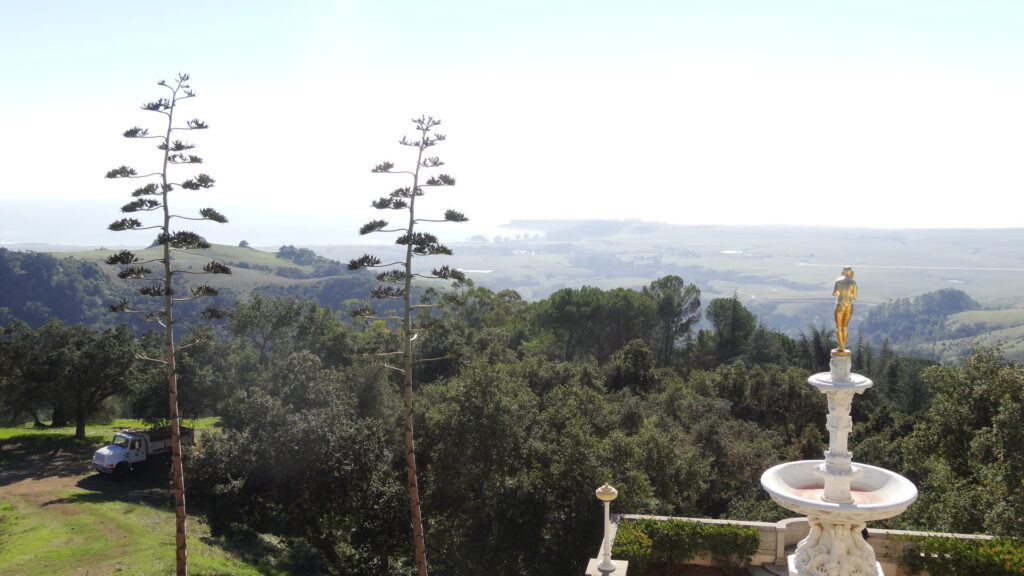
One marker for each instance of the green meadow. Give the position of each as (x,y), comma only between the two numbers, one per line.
(59,517)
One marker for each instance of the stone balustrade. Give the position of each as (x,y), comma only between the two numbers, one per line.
(779,538)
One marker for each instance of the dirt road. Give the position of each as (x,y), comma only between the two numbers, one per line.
(41,478)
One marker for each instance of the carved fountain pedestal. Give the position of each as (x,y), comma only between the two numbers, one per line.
(838,496)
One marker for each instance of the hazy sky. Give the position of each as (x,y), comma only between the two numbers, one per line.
(863,113)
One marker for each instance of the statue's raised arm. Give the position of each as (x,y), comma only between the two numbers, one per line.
(845,291)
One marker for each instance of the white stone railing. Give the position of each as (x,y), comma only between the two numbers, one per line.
(779,538)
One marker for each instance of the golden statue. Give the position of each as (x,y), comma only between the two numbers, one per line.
(845,291)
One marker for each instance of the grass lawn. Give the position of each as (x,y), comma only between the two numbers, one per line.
(59,517)
(82,534)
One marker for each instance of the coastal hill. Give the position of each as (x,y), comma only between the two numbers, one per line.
(783,274)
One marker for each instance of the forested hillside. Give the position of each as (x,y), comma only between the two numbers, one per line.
(919,319)
(523,409)
(35,287)
(78,288)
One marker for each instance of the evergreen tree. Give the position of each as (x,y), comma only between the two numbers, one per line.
(574,316)
(678,309)
(733,325)
(818,347)
(397,280)
(154,197)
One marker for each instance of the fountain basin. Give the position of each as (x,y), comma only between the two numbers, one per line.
(877,493)
(827,381)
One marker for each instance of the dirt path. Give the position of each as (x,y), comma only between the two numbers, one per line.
(36,478)
(42,478)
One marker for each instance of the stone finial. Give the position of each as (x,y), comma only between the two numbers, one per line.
(606,493)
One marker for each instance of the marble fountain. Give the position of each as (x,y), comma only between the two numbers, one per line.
(838,495)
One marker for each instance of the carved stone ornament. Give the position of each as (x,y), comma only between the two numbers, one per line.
(835,550)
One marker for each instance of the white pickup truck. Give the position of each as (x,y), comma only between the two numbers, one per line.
(131,448)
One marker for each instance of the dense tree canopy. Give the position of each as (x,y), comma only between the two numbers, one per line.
(66,372)
(526,408)
(966,453)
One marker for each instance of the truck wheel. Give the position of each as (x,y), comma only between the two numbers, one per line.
(121,471)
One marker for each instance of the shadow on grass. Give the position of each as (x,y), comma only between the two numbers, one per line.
(267,558)
(149,485)
(43,455)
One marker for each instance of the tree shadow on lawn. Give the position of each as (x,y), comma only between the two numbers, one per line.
(149,485)
(269,558)
(36,456)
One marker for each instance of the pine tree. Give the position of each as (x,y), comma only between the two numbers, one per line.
(154,197)
(678,308)
(397,280)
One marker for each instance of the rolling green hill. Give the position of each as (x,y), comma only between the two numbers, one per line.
(77,287)
(1003,328)
(783,274)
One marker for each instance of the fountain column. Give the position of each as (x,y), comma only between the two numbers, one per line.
(839,386)
(835,545)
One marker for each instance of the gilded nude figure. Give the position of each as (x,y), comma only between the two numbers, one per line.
(845,291)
